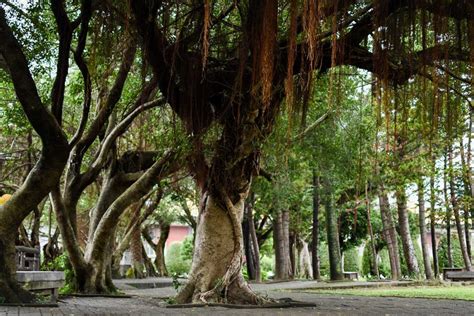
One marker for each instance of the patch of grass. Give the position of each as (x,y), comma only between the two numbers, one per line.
(439,292)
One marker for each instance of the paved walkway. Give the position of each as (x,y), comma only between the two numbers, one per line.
(151,302)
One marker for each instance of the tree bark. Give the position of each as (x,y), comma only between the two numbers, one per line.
(252,252)
(138,264)
(306,269)
(434,250)
(44,175)
(457,217)
(448,211)
(254,243)
(390,234)
(315,229)
(422,224)
(160,262)
(281,245)
(375,264)
(335,265)
(468,206)
(407,242)
(217,257)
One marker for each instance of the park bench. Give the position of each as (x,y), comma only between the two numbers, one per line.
(29,276)
(449,270)
(349,275)
(460,276)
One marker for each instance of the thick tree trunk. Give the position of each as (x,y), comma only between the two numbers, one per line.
(315,229)
(98,254)
(422,224)
(432,224)
(215,273)
(47,170)
(281,245)
(9,288)
(407,242)
(335,263)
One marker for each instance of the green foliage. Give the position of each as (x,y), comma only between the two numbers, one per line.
(176,283)
(130,273)
(267,266)
(62,263)
(455,253)
(383,262)
(187,248)
(351,259)
(418,254)
(178,261)
(323,259)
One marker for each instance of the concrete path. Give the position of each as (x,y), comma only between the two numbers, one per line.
(151,302)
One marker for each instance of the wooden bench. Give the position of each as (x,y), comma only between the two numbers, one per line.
(29,276)
(448,270)
(460,276)
(348,275)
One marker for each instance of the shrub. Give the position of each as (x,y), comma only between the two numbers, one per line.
(418,255)
(62,263)
(267,267)
(382,260)
(455,253)
(351,259)
(177,260)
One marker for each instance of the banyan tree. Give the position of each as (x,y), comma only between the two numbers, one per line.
(230,67)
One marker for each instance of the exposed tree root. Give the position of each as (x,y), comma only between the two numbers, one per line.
(14,293)
(285,303)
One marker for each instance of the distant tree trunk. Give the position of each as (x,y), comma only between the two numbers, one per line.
(160,262)
(389,234)
(252,251)
(422,224)
(432,224)
(315,228)
(448,212)
(306,270)
(255,247)
(150,269)
(248,248)
(136,252)
(407,242)
(457,217)
(281,245)
(335,265)
(293,250)
(468,192)
(371,233)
